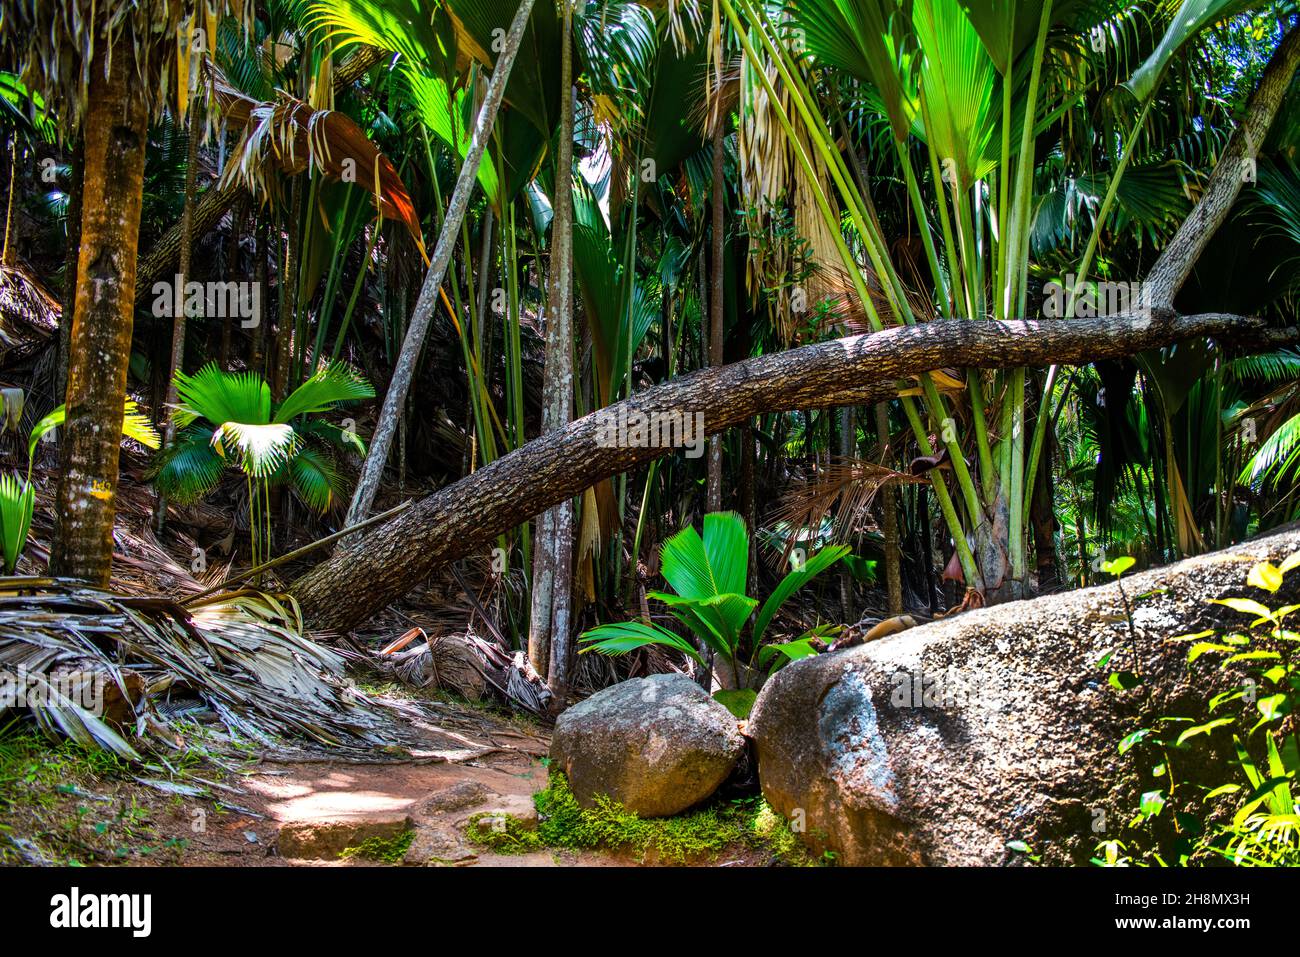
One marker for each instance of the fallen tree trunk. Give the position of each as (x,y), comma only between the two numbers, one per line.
(944,743)
(451,523)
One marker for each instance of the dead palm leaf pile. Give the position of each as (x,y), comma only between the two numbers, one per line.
(241,660)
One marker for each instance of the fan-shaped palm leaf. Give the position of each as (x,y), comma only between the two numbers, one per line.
(259,450)
(329,385)
(315,479)
(219,397)
(189,468)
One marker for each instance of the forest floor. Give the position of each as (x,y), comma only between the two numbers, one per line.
(215,801)
(62,805)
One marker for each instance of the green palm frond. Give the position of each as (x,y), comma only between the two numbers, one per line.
(345,440)
(959,84)
(621,637)
(219,397)
(17,501)
(329,386)
(712,571)
(1277,456)
(792,582)
(1280,366)
(316,480)
(189,468)
(1192,17)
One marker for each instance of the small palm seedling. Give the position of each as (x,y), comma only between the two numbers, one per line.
(18,495)
(227,418)
(708,576)
(1123,680)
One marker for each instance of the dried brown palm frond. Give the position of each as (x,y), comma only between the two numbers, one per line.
(841,492)
(29,315)
(246,656)
(794,262)
(52,44)
(287,136)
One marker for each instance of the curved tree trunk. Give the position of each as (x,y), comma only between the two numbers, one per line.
(400,383)
(99,350)
(365,576)
(1234,169)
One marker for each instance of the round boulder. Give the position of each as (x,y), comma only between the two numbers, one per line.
(657,745)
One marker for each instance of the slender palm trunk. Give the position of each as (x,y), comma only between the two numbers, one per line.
(889,508)
(179,299)
(99,352)
(715,300)
(404,371)
(68,300)
(552,600)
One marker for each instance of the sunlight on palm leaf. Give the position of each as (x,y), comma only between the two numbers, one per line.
(329,386)
(259,450)
(17,502)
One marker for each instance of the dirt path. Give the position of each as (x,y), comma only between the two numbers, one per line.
(406,805)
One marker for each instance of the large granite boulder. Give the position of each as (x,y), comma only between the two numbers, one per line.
(657,745)
(942,744)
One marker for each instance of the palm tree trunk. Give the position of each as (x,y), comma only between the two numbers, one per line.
(373,468)
(552,599)
(860,370)
(68,300)
(179,299)
(1180,254)
(261,276)
(889,508)
(714,487)
(115,131)
(232,270)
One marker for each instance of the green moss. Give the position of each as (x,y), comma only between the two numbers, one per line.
(700,835)
(384,850)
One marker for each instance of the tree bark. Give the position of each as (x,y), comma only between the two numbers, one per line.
(365,576)
(99,352)
(373,468)
(1180,254)
(714,482)
(179,299)
(552,598)
(68,300)
(889,515)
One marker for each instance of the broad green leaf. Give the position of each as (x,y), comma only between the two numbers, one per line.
(1200,729)
(1118,566)
(1266,576)
(1246,606)
(793,582)
(739,701)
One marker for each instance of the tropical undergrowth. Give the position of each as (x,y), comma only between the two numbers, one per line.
(1222,779)
(699,836)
